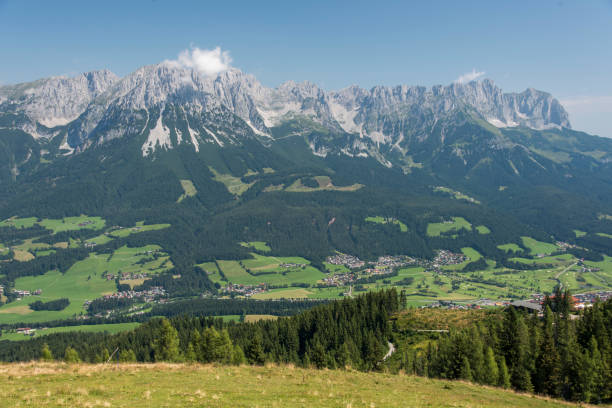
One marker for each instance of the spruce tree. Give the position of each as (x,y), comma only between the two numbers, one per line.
(71,355)
(491,370)
(255,352)
(45,354)
(466,371)
(504,375)
(166,344)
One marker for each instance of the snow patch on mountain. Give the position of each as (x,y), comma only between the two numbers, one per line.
(159,136)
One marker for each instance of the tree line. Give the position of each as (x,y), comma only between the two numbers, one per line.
(553,355)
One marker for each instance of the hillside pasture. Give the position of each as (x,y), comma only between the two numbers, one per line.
(92,328)
(435,229)
(324,182)
(386,220)
(538,247)
(190,385)
(188,188)
(139,227)
(257,245)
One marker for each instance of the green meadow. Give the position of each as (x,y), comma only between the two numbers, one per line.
(437,228)
(384,220)
(95,328)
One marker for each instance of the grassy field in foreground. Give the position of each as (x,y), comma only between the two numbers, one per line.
(174,385)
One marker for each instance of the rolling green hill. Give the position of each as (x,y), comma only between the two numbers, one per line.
(194,385)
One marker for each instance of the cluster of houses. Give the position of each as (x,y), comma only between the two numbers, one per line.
(126,276)
(564,246)
(396,261)
(26,331)
(349,261)
(149,295)
(342,279)
(292,265)
(244,290)
(443,258)
(23,293)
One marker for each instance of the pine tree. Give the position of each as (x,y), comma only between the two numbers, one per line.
(71,355)
(190,354)
(547,378)
(491,370)
(466,371)
(45,354)
(504,375)
(105,355)
(166,344)
(238,357)
(127,356)
(255,352)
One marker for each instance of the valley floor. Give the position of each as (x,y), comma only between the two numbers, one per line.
(172,385)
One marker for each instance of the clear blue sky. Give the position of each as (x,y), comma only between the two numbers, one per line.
(564,47)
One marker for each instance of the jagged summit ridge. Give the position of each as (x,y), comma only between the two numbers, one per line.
(89,104)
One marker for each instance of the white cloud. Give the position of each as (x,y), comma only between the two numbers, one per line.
(206,62)
(469,76)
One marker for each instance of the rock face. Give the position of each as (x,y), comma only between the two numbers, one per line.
(56,101)
(171,105)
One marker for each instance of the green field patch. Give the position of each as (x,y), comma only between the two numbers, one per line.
(139,227)
(189,190)
(457,195)
(19,222)
(510,247)
(73,223)
(268,270)
(212,271)
(99,240)
(437,228)
(257,245)
(97,328)
(579,233)
(57,225)
(482,229)
(298,293)
(44,252)
(233,184)
(336,269)
(386,220)
(472,256)
(538,247)
(325,184)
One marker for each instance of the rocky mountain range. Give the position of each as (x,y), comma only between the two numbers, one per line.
(170,105)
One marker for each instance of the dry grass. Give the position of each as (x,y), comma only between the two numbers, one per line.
(173,385)
(255,318)
(20,310)
(23,256)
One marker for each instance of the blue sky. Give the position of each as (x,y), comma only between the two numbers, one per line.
(563,47)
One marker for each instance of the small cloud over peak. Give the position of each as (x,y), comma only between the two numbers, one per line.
(206,62)
(469,77)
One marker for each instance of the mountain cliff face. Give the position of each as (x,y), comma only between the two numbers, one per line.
(171,105)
